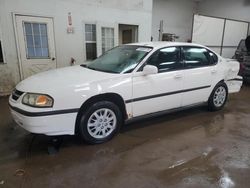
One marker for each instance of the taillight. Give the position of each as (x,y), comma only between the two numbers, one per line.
(242,66)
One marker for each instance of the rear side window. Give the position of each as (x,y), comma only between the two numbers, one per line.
(166,59)
(198,57)
(213,58)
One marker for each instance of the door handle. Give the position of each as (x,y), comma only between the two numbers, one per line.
(53,58)
(178,76)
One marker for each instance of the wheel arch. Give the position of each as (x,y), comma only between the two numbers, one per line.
(111,97)
(211,106)
(222,81)
(214,86)
(215,83)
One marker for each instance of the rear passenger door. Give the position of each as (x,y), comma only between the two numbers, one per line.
(199,74)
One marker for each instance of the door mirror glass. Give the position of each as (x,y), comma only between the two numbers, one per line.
(150,69)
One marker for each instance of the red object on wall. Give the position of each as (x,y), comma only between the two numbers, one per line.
(69,19)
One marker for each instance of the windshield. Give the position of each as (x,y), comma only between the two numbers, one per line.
(122,59)
(242,46)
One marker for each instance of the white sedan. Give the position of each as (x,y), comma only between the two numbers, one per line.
(127,82)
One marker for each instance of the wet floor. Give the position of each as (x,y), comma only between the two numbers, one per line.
(192,148)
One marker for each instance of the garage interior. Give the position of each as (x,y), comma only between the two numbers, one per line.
(190,148)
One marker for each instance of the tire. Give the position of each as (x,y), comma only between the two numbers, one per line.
(96,128)
(218,97)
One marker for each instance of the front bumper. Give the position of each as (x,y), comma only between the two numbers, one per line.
(45,122)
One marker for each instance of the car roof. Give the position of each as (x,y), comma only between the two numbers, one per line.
(160,44)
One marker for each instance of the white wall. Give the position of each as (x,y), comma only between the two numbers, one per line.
(177,16)
(135,12)
(233,9)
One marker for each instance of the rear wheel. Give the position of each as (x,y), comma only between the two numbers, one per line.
(100,122)
(218,97)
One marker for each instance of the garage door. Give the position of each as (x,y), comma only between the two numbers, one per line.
(234,32)
(220,34)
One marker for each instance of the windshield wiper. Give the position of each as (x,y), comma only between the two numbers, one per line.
(85,66)
(92,68)
(109,71)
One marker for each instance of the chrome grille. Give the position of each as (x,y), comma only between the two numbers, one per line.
(16,94)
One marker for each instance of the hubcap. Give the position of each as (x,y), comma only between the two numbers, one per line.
(219,96)
(101,123)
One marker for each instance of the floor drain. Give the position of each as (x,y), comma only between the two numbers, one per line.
(19,172)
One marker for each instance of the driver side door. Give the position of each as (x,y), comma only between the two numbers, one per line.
(161,91)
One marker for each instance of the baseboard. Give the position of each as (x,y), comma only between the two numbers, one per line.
(4,94)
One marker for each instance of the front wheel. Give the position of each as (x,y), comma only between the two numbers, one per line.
(218,97)
(100,122)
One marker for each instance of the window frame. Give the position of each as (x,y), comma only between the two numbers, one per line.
(200,47)
(90,42)
(155,52)
(102,42)
(33,37)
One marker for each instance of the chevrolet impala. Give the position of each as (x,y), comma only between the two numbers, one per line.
(130,81)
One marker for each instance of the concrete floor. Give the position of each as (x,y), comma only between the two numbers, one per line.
(192,148)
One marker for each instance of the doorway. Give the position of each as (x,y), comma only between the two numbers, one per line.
(128,34)
(35,37)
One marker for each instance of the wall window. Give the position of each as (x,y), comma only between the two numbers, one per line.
(107,39)
(90,40)
(36,38)
(166,59)
(1,53)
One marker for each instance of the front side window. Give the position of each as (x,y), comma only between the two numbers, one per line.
(36,39)
(197,57)
(90,41)
(107,39)
(122,59)
(166,59)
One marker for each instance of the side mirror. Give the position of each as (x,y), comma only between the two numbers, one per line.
(150,69)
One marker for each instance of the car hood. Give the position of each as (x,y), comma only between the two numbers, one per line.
(68,77)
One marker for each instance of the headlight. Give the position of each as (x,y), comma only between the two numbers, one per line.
(37,100)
